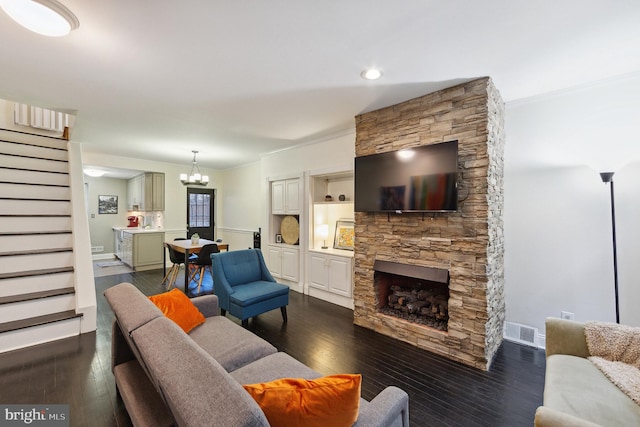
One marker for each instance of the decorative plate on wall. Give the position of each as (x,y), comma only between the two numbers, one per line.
(290,230)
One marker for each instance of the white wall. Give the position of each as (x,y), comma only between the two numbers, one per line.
(100,225)
(241,203)
(558,249)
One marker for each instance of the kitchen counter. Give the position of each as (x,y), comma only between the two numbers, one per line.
(134,230)
(140,248)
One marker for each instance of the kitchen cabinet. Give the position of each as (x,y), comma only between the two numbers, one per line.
(148,250)
(146,192)
(330,276)
(283,262)
(285,197)
(126,248)
(141,249)
(117,243)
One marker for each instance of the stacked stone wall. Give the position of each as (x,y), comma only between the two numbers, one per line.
(469,243)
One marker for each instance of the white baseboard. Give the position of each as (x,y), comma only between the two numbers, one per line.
(98,257)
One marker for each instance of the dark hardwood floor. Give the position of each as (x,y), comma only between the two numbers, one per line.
(77,371)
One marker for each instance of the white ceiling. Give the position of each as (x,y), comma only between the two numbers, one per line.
(234,79)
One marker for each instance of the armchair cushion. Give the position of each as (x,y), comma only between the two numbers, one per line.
(242,267)
(332,400)
(176,306)
(253,293)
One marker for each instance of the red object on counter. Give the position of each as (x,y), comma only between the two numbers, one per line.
(133,221)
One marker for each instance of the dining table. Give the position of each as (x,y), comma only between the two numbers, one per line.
(188,247)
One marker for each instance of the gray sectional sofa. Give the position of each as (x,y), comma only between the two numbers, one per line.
(167,377)
(576,392)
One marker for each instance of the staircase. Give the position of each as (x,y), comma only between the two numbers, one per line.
(41,298)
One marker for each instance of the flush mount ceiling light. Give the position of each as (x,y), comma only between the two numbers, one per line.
(46,17)
(371,74)
(94,172)
(195,177)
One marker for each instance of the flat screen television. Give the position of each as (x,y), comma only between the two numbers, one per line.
(420,179)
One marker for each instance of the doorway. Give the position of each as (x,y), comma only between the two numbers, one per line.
(200,212)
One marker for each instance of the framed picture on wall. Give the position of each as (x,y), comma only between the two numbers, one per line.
(345,234)
(107,204)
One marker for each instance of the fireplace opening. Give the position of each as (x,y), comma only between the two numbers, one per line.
(413,293)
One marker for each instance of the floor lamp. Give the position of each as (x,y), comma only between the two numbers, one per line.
(607,177)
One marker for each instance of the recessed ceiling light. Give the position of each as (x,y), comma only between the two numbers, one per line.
(371,74)
(46,17)
(94,172)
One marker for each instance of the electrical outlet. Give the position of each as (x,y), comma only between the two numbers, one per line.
(567,315)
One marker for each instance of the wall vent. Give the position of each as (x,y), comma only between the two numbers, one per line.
(95,249)
(522,334)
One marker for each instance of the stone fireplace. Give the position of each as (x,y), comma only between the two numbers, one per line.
(461,253)
(413,293)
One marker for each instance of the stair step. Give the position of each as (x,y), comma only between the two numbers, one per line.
(34,207)
(38,320)
(33,139)
(36,295)
(36,252)
(35,225)
(33,233)
(26,285)
(36,165)
(12,174)
(14,191)
(30,273)
(27,150)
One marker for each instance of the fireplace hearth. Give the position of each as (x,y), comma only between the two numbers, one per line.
(413,293)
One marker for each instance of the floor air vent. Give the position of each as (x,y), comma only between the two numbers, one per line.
(521,334)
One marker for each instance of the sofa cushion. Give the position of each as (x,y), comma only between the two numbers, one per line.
(240,266)
(198,391)
(130,306)
(177,307)
(573,385)
(272,367)
(253,293)
(327,401)
(230,344)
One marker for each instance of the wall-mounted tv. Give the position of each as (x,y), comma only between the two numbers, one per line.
(420,179)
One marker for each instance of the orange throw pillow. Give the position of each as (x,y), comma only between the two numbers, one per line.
(328,401)
(179,308)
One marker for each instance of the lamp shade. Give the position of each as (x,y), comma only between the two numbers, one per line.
(322,231)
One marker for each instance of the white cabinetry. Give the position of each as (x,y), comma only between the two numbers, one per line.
(141,250)
(331,277)
(285,197)
(126,249)
(284,262)
(146,192)
(117,243)
(147,250)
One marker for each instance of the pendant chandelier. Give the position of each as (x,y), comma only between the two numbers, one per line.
(194,177)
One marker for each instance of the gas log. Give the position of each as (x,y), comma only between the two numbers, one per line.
(427,305)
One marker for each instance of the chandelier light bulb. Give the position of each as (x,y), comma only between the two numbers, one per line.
(195,177)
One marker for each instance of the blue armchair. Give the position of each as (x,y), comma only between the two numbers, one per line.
(244,286)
